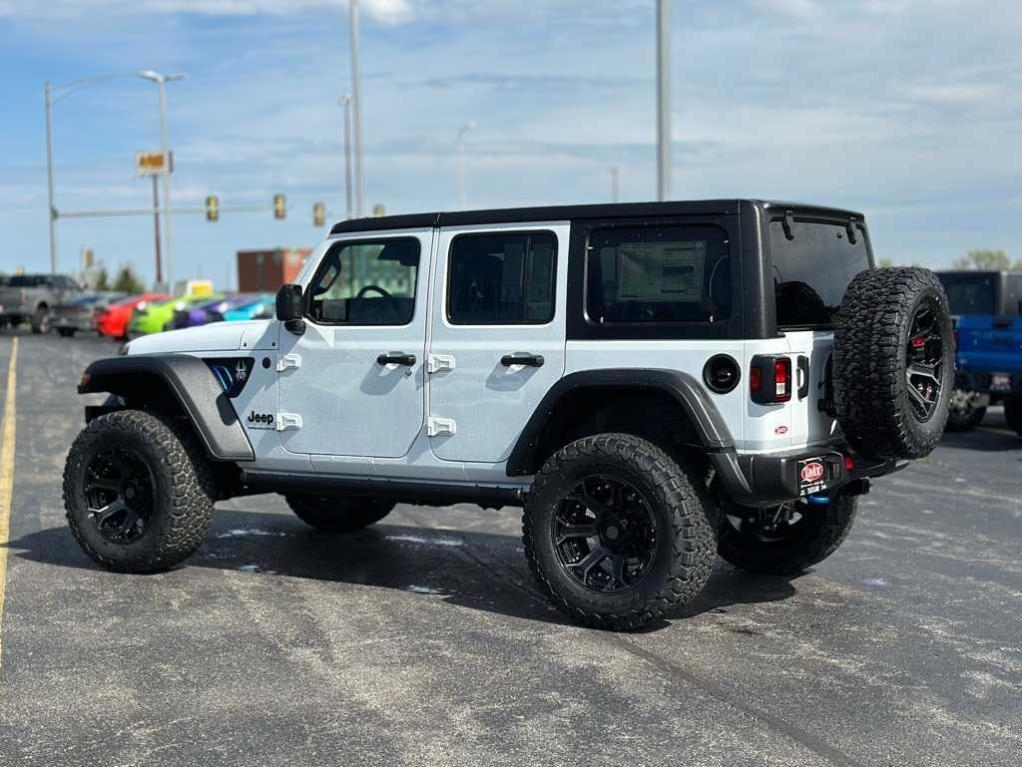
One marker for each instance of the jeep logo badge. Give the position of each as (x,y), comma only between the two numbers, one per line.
(261,420)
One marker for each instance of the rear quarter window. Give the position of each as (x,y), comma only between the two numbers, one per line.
(812,265)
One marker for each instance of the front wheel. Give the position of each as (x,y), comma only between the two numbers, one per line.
(784,539)
(338,515)
(138,491)
(616,533)
(66,332)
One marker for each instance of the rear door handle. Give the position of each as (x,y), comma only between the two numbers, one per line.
(803,377)
(522,358)
(396,358)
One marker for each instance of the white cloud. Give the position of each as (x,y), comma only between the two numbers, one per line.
(387,11)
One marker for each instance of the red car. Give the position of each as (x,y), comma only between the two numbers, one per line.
(115,320)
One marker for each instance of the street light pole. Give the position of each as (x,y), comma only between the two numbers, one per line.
(161,80)
(663,104)
(356,98)
(345,102)
(460,141)
(49,177)
(615,184)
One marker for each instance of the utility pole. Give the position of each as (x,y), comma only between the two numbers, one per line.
(49,177)
(460,141)
(346,103)
(615,186)
(356,98)
(663,103)
(161,80)
(156,222)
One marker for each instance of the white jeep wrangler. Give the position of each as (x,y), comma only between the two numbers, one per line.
(654,383)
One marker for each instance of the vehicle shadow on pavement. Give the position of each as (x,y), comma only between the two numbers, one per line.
(478,570)
(986,439)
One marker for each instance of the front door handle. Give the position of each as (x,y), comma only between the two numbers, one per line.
(396,358)
(522,358)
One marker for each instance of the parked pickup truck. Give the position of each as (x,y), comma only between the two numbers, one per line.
(987,311)
(30,297)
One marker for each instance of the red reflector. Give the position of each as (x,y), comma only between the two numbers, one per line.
(755,379)
(849,463)
(918,342)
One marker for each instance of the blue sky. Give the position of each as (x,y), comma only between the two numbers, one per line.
(908,110)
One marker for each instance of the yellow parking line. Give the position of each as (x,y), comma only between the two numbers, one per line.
(7,477)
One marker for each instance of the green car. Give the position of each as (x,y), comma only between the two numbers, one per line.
(159,316)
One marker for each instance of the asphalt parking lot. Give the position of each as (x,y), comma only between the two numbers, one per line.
(423,641)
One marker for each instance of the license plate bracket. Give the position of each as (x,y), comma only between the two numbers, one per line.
(812,475)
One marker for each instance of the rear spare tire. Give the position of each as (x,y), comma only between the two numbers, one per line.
(893,362)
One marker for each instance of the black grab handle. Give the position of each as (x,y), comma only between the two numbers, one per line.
(522,358)
(396,358)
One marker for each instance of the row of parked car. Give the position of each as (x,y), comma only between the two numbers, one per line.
(56,302)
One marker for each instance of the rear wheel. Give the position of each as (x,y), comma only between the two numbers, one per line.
(967,410)
(616,533)
(784,539)
(336,514)
(1013,413)
(41,320)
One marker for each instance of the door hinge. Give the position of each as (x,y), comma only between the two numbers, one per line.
(287,421)
(437,426)
(437,362)
(289,361)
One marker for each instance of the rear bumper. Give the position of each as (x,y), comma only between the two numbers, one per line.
(984,382)
(72,323)
(764,480)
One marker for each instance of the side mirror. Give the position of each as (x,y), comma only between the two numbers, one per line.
(289,308)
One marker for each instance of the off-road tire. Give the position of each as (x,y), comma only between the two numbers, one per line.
(338,515)
(871,356)
(964,414)
(685,542)
(66,332)
(184,496)
(40,321)
(1013,413)
(826,528)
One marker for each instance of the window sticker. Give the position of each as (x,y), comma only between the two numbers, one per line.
(663,270)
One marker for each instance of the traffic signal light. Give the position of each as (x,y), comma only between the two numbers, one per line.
(212,208)
(318,214)
(279,207)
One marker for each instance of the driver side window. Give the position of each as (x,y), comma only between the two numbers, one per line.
(366,283)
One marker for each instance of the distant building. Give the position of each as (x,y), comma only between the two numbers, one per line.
(263,271)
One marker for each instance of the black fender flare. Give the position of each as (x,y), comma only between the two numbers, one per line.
(194,387)
(685,389)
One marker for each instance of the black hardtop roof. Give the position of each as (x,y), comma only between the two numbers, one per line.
(567,212)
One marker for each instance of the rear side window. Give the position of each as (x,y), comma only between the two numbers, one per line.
(658,274)
(366,283)
(813,264)
(971,293)
(502,278)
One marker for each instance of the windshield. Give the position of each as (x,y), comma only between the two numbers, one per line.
(27,281)
(813,262)
(970,293)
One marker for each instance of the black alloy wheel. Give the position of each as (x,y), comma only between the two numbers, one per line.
(120,493)
(925,357)
(604,534)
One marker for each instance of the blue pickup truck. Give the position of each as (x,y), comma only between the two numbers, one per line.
(987,310)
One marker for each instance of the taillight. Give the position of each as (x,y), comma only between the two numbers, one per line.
(770,379)
(782,379)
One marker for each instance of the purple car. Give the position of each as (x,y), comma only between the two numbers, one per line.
(211,311)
